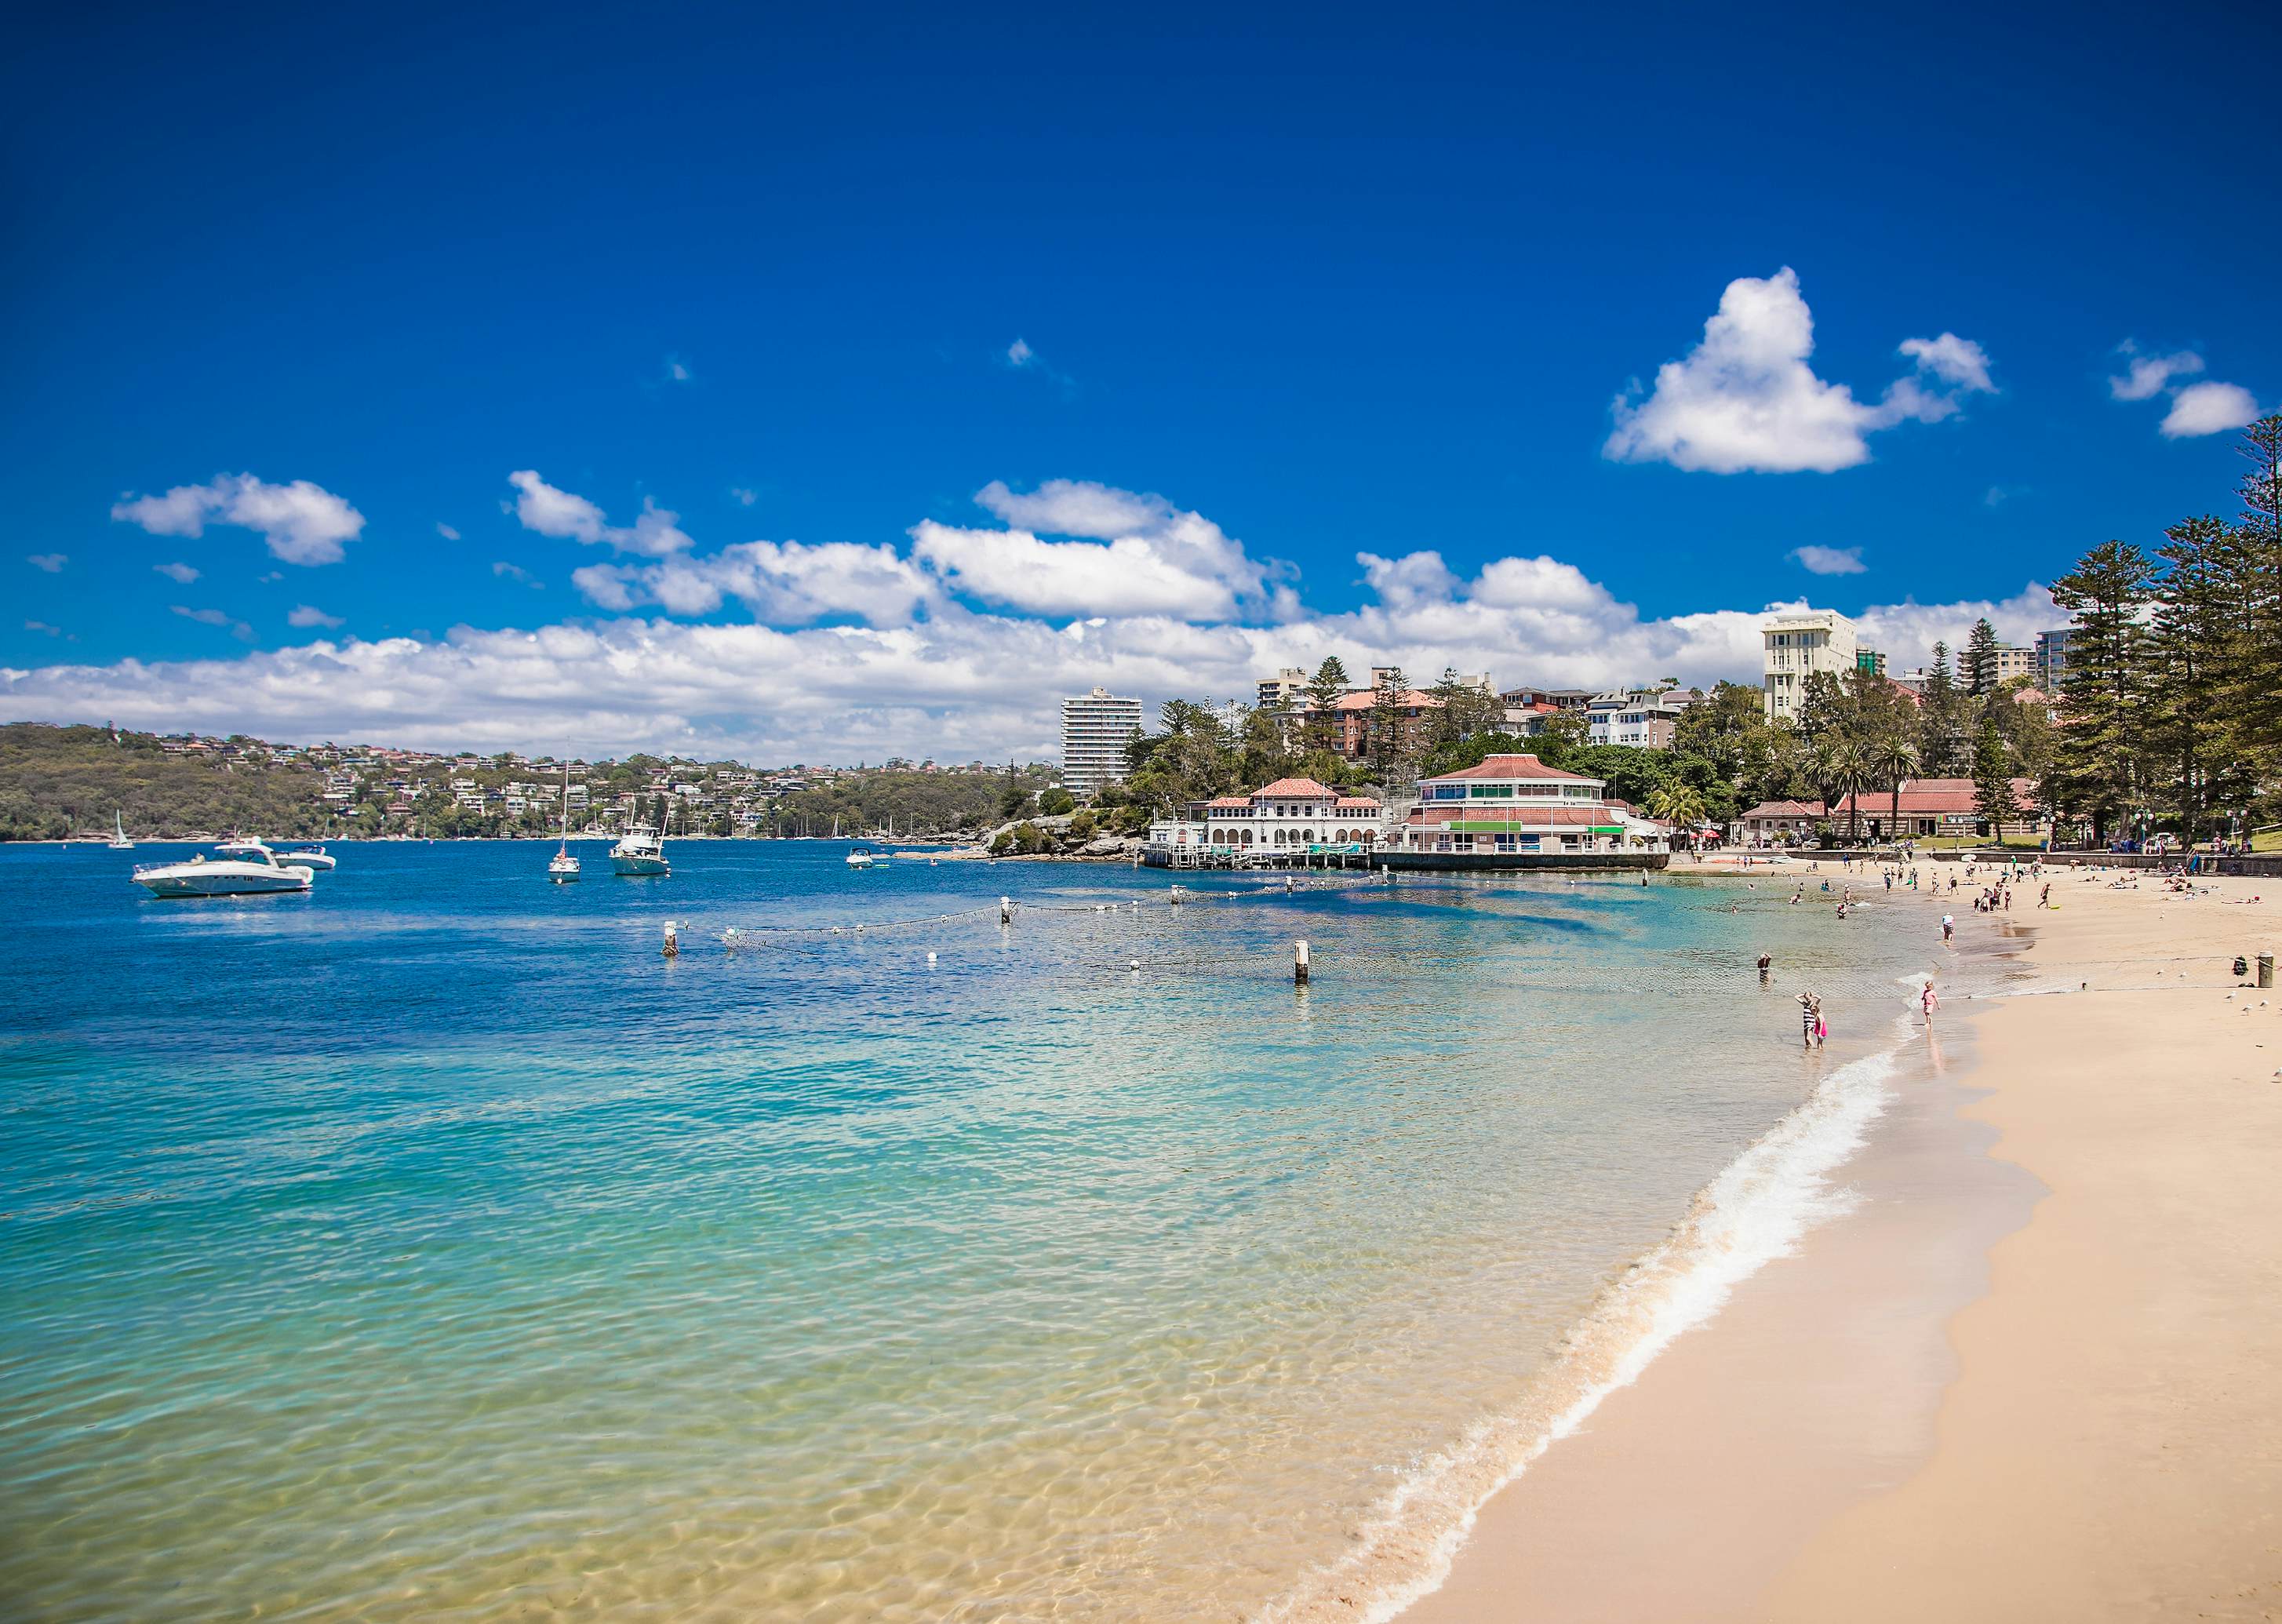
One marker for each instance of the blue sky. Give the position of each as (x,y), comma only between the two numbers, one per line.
(1334,287)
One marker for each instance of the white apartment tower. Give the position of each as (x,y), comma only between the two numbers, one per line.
(1800,642)
(1094,729)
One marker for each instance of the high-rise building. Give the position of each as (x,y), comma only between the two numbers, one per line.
(1096,727)
(1798,645)
(2013,663)
(2052,659)
(1870,661)
(1287,687)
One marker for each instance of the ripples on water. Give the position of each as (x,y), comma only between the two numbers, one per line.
(429,1247)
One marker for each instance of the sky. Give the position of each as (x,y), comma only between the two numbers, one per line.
(820,384)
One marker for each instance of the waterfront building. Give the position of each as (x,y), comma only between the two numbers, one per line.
(1096,728)
(1553,698)
(1511,809)
(1643,718)
(1358,713)
(1798,644)
(1291,816)
(1926,807)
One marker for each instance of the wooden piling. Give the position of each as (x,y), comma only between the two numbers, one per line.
(1299,962)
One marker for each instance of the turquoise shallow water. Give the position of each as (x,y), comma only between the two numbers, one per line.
(427,1246)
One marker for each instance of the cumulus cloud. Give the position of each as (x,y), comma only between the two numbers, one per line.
(953,684)
(783,583)
(446,531)
(1745,399)
(943,648)
(1829,560)
(53,563)
(2148,375)
(1139,555)
(1020,353)
(2208,409)
(307,614)
(569,516)
(181,574)
(301,523)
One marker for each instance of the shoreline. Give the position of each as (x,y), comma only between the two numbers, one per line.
(1888,1421)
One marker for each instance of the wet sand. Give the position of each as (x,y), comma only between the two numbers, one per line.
(2031,1375)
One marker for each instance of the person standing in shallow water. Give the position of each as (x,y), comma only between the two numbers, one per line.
(1810,1019)
(1928,1000)
(1765,960)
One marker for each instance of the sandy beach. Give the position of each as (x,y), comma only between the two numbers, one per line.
(2029,1375)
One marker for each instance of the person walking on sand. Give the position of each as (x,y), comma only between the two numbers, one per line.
(1928,1000)
(1948,927)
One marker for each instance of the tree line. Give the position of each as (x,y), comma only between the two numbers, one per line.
(2173,693)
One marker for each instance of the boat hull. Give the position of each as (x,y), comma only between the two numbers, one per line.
(642,867)
(214,885)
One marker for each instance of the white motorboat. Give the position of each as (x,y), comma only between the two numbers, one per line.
(118,842)
(562,867)
(312,857)
(861,859)
(640,853)
(247,867)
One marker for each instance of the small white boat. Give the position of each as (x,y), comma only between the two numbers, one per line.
(861,859)
(247,869)
(562,867)
(640,853)
(118,842)
(312,857)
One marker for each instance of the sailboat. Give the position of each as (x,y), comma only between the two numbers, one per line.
(562,866)
(118,842)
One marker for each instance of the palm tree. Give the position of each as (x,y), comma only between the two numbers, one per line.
(1681,806)
(1897,759)
(1843,763)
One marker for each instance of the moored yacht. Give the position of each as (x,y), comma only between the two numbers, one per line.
(118,842)
(243,867)
(313,858)
(562,867)
(640,852)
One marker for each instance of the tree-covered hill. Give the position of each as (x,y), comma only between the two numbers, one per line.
(57,781)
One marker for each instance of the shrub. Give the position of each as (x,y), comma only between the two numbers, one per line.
(1054,803)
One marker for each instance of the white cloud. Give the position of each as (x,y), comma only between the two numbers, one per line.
(302,522)
(44,628)
(307,614)
(924,670)
(676,369)
(563,514)
(783,583)
(1745,398)
(2148,375)
(1140,555)
(744,496)
(1019,355)
(1956,361)
(516,572)
(446,531)
(53,563)
(181,574)
(2208,409)
(1829,560)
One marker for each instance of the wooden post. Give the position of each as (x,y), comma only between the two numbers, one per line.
(1299,962)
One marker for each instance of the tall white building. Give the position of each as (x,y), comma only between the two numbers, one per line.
(1094,729)
(1799,644)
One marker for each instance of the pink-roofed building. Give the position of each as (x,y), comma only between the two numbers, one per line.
(1291,816)
(1515,812)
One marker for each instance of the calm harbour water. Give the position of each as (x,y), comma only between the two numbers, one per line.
(427,1246)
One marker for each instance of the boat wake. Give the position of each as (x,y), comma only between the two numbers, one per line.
(1755,1211)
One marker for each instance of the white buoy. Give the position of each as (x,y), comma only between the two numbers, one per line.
(930,957)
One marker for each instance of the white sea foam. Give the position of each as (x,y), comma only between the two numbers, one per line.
(1754,1212)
